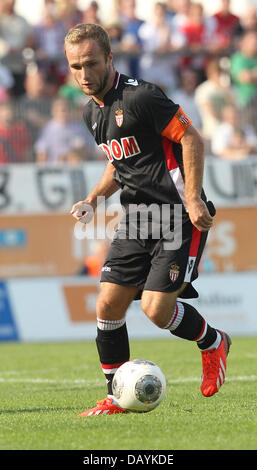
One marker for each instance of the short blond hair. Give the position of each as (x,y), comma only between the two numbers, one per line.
(83,31)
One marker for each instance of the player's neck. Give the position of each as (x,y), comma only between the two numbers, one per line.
(99,98)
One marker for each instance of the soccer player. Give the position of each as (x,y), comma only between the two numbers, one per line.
(156,157)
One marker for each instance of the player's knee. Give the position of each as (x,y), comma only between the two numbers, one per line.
(105,309)
(157,317)
(158,314)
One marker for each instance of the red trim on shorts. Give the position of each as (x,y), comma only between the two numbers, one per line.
(195,243)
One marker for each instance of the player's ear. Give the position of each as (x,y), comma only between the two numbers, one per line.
(110,58)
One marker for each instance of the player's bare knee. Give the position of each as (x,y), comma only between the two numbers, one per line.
(105,309)
(158,317)
(156,314)
(109,309)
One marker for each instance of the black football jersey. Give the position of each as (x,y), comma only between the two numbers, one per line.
(133,128)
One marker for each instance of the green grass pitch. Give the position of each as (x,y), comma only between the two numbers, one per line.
(44,386)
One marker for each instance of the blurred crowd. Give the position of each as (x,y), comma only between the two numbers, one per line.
(207,64)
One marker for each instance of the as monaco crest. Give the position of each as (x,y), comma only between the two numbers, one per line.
(119,117)
(174,272)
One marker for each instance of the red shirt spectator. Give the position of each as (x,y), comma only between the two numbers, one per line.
(226,24)
(198,29)
(14,137)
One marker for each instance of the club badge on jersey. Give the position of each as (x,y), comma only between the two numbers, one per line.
(119,117)
(174,272)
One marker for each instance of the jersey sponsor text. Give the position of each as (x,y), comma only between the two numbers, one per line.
(128,147)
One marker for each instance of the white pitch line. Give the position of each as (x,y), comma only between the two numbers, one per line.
(50,381)
(239,378)
(38,380)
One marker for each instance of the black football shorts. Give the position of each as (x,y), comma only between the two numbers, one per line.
(149,265)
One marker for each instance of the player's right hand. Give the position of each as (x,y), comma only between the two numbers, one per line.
(200,215)
(82,211)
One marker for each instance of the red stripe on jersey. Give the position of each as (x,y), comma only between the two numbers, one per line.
(169,154)
(196,238)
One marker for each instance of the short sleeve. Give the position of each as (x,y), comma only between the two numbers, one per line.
(159,113)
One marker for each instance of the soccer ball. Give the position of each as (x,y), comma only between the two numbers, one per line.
(139,385)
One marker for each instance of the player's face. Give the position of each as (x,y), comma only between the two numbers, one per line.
(89,66)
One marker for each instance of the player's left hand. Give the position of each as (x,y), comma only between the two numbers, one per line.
(199,215)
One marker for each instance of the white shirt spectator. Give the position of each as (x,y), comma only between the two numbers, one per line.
(189,106)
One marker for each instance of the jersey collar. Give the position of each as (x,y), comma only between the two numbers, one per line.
(114,87)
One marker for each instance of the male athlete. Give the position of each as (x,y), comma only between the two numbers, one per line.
(155,156)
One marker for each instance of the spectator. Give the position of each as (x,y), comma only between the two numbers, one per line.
(93,263)
(131,41)
(171,8)
(14,137)
(211,96)
(244,69)
(68,13)
(4,95)
(178,23)
(52,85)
(61,135)
(90,15)
(231,140)
(227,24)
(6,78)
(155,36)
(115,32)
(15,35)
(128,18)
(247,20)
(34,107)
(49,38)
(199,31)
(72,92)
(185,95)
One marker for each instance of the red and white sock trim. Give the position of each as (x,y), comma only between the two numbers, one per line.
(203,332)
(216,343)
(110,324)
(176,317)
(110,368)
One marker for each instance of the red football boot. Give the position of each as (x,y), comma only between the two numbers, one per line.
(104,407)
(214,366)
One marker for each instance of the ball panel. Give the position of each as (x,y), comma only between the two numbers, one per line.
(148,388)
(139,385)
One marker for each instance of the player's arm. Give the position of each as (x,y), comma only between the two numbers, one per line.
(106,187)
(180,130)
(193,161)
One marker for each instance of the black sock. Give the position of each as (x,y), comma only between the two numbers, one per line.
(113,350)
(194,328)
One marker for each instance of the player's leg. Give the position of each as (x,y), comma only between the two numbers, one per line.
(170,277)
(112,338)
(123,275)
(184,321)
(180,318)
